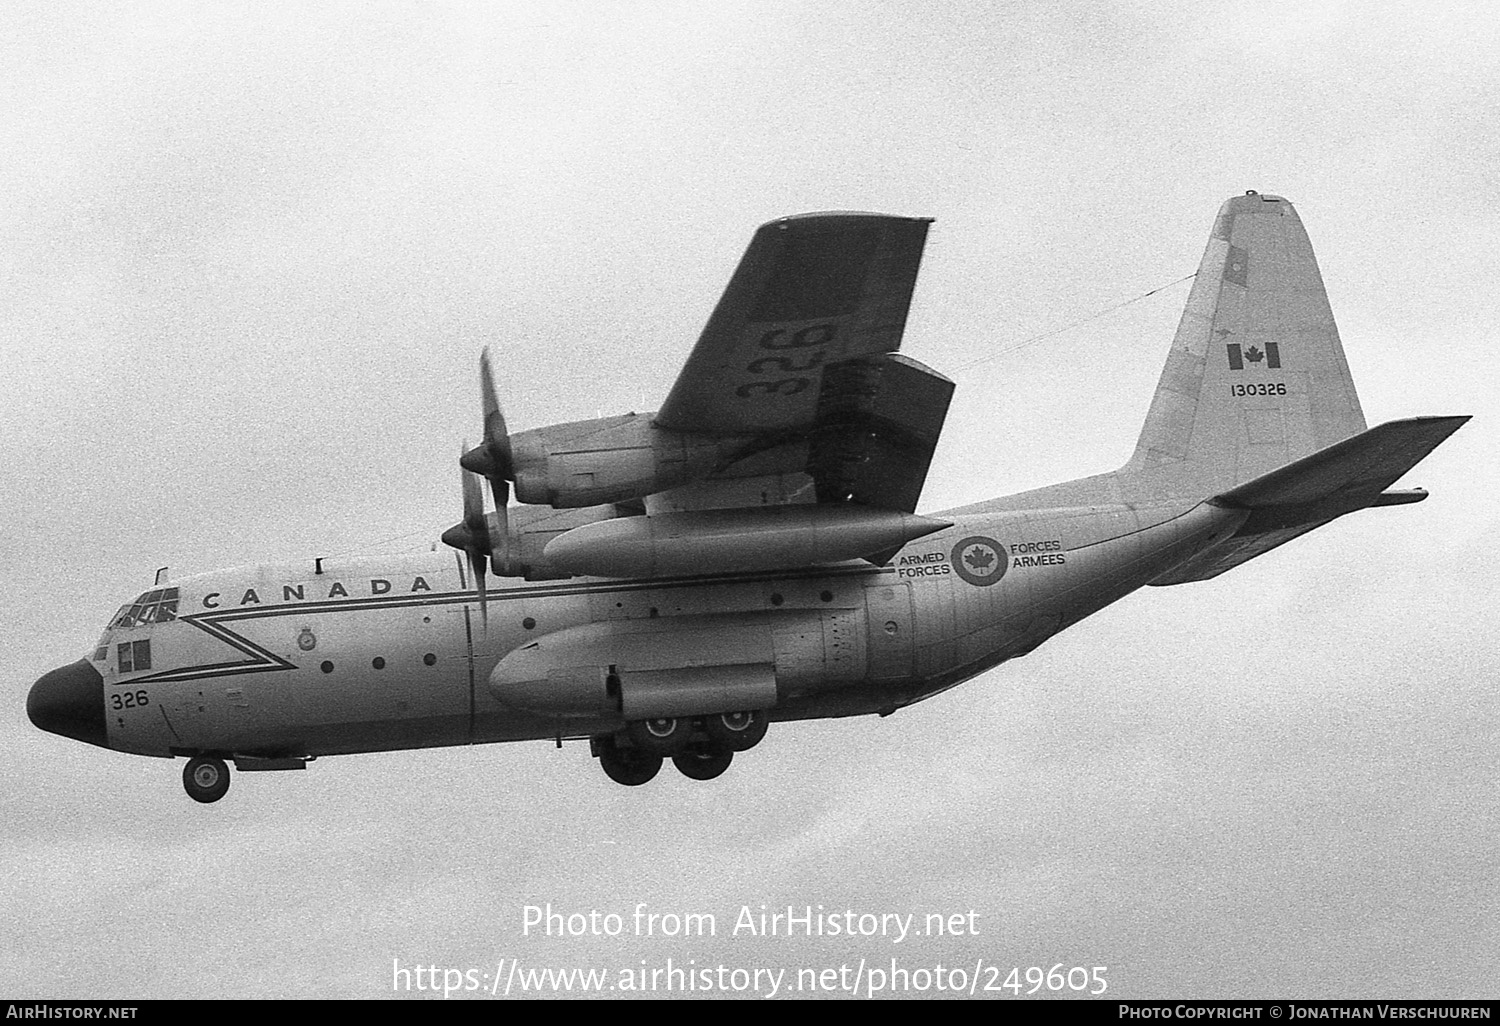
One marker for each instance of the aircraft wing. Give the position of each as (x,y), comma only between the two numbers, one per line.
(813,291)
(799,361)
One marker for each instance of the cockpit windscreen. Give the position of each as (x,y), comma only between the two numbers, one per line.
(157,606)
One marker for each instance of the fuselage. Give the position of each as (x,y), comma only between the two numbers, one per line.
(330,657)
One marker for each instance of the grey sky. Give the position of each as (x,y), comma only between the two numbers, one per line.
(250,254)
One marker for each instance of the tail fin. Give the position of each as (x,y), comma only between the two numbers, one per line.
(1254,385)
(1256,377)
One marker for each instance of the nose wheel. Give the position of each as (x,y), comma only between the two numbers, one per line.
(205,778)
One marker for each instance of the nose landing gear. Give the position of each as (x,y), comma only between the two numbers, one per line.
(206,778)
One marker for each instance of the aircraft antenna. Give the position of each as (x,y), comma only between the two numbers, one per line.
(1011,347)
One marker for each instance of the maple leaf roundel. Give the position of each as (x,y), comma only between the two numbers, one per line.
(979,560)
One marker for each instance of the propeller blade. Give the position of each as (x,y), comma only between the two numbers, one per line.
(492,460)
(496,435)
(473,535)
(500,537)
(476,563)
(473,502)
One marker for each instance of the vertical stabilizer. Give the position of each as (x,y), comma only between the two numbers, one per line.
(1256,377)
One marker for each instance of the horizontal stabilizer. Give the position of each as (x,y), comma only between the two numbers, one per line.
(1350,473)
(1308,493)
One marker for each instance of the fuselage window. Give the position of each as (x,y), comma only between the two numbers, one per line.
(133,656)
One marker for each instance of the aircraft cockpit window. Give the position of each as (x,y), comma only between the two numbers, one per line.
(157,606)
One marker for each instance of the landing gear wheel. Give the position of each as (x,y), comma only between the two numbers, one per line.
(736,731)
(206,778)
(629,766)
(702,762)
(661,736)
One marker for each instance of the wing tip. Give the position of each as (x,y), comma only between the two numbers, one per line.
(919,365)
(831,217)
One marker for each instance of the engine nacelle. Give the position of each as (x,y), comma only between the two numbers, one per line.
(682,666)
(612,459)
(531,528)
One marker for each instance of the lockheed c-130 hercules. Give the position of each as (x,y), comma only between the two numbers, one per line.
(672,582)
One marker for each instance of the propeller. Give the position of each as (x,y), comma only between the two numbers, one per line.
(491,459)
(471,536)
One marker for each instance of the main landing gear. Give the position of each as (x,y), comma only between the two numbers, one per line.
(206,778)
(701,748)
(702,762)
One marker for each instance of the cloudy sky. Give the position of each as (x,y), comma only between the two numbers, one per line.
(249,254)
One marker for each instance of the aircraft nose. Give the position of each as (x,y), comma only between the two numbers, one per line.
(70,701)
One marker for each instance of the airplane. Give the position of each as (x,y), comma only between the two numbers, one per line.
(669,584)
